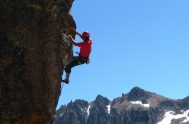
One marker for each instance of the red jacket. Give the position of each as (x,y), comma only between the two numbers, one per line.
(85,48)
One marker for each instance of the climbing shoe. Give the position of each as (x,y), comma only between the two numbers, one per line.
(65,81)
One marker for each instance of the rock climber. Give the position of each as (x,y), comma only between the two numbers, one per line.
(83,57)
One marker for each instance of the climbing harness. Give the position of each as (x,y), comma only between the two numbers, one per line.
(87,60)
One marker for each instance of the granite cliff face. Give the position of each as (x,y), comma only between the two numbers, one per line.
(32,57)
(136,107)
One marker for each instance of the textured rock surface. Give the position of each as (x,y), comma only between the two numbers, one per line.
(136,107)
(32,57)
(98,113)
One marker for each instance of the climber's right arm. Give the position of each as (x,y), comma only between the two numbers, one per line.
(77,33)
(72,41)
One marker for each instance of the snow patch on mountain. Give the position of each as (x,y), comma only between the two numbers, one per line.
(108,108)
(170,115)
(88,110)
(140,103)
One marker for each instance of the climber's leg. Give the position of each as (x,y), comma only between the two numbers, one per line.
(73,63)
(67,78)
(76,61)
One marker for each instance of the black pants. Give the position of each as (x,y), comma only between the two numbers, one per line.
(75,61)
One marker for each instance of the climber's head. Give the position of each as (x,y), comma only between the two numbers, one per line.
(85,35)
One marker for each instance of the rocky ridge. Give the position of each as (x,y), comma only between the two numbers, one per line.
(136,107)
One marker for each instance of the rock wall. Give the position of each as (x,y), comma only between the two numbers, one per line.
(32,57)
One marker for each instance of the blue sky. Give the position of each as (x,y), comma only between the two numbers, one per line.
(141,43)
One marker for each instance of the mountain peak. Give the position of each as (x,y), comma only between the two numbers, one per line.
(78,103)
(138,94)
(135,89)
(101,99)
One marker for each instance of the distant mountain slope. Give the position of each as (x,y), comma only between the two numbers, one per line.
(136,107)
